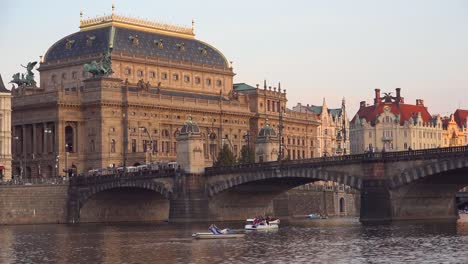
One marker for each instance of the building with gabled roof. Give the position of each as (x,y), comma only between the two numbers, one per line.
(390,124)
(333,131)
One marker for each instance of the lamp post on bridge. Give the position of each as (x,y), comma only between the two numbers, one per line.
(150,148)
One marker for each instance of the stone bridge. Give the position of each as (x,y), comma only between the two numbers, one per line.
(407,185)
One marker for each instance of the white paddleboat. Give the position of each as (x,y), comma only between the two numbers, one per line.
(255,224)
(216,236)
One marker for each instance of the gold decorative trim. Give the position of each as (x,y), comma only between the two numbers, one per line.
(135,23)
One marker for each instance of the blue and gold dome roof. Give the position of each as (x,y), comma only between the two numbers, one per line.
(135,37)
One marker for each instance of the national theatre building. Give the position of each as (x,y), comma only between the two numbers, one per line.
(156,76)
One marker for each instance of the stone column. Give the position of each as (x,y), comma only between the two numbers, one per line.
(34,138)
(45,146)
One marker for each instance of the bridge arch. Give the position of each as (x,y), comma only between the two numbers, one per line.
(303,173)
(411,175)
(121,201)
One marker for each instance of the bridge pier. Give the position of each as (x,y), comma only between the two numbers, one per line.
(375,202)
(189,202)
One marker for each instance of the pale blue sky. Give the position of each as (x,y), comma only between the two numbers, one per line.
(332,49)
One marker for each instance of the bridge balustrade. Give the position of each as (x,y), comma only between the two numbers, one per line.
(450,152)
(36,181)
(98,179)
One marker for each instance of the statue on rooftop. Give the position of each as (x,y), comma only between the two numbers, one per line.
(25,80)
(101,68)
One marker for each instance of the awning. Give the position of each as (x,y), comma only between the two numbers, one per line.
(2,167)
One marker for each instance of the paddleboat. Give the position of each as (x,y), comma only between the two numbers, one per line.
(261,224)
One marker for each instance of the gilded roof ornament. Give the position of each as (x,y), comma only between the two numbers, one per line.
(136,23)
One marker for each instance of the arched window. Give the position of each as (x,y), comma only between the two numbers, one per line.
(113,146)
(342,205)
(92,146)
(69,139)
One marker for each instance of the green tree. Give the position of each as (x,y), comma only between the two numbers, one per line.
(225,157)
(246,155)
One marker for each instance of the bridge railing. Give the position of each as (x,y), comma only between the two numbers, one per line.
(346,159)
(97,179)
(36,181)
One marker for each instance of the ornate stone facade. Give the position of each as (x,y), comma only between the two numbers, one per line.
(5,132)
(333,131)
(161,76)
(392,125)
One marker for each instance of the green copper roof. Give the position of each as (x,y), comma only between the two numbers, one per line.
(243,87)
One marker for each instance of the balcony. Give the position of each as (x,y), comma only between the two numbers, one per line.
(387,138)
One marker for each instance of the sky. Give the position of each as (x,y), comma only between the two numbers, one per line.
(330,49)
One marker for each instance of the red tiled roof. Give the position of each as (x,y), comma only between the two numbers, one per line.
(460,117)
(405,111)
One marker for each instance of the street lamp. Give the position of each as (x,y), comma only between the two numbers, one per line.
(150,148)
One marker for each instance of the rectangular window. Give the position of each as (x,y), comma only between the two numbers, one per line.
(268,105)
(186,78)
(273,106)
(133,145)
(155,146)
(164,76)
(145,145)
(175,77)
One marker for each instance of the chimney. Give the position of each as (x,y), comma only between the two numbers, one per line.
(419,102)
(362,104)
(377,100)
(398,95)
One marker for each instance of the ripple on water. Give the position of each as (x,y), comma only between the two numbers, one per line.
(321,241)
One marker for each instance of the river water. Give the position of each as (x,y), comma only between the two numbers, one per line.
(342,240)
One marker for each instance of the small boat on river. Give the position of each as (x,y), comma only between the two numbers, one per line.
(216,236)
(216,233)
(261,224)
(316,216)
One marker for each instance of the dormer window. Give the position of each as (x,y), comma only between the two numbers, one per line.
(69,44)
(159,43)
(181,46)
(135,41)
(89,40)
(203,51)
